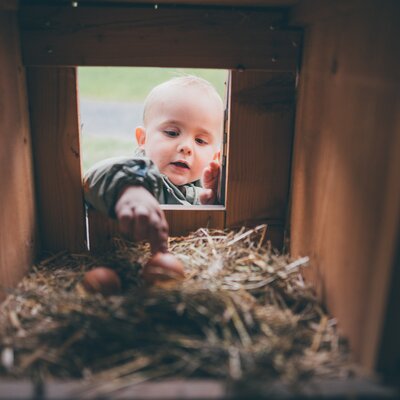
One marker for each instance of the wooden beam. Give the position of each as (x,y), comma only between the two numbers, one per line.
(18,235)
(165,37)
(192,388)
(232,3)
(55,134)
(259,148)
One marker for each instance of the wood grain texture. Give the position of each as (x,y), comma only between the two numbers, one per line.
(310,11)
(346,172)
(181,221)
(166,37)
(101,231)
(18,236)
(55,135)
(259,147)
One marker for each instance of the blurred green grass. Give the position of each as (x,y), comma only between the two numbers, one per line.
(133,84)
(127,84)
(97,148)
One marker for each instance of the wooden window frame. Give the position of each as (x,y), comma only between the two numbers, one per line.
(255,44)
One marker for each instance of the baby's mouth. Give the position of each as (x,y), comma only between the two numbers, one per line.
(180,164)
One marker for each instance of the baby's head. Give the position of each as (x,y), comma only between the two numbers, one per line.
(182,127)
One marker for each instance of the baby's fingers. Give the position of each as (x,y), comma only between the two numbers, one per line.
(210,174)
(214,168)
(141,223)
(158,234)
(159,242)
(125,219)
(207,174)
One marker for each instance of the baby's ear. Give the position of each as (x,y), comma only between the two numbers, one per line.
(140,136)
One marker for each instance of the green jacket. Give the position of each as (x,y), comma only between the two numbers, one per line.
(104,181)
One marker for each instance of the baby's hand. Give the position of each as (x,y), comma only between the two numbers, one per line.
(139,214)
(210,182)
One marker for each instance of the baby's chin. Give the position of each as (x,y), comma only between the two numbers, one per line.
(180,181)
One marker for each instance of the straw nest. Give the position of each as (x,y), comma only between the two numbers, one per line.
(243,312)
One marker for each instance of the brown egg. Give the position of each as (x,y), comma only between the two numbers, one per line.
(102,280)
(163,268)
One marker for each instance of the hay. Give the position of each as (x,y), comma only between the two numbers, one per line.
(243,312)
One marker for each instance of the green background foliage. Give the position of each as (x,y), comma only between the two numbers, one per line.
(133,84)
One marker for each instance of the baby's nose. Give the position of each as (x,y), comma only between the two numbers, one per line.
(185,149)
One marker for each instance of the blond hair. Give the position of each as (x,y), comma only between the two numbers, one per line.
(181,81)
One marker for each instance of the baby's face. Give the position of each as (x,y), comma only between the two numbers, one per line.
(183,131)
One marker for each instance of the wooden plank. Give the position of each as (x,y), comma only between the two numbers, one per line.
(311,11)
(162,389)
(178,388)
(166,37)
(101,231)
(18,236)
(9,5)
(181,220)
(242,3)
(346,171)
(55,133)
(259,147)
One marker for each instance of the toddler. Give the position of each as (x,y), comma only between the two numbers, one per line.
(177,161)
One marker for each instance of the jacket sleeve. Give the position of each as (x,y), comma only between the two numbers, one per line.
(103,182)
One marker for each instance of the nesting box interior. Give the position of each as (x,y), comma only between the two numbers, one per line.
(313,135)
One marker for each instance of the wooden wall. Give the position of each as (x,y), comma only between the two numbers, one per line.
(346,169)
(54,117)
(259,149)
(17,205)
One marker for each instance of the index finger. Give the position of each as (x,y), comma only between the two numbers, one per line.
(125,219)
(158,232)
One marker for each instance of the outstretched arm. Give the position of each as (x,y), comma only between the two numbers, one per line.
(127,189)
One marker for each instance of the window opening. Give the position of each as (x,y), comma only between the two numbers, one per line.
(111,101)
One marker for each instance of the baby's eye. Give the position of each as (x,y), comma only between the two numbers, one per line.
(201,141)
(171,133)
